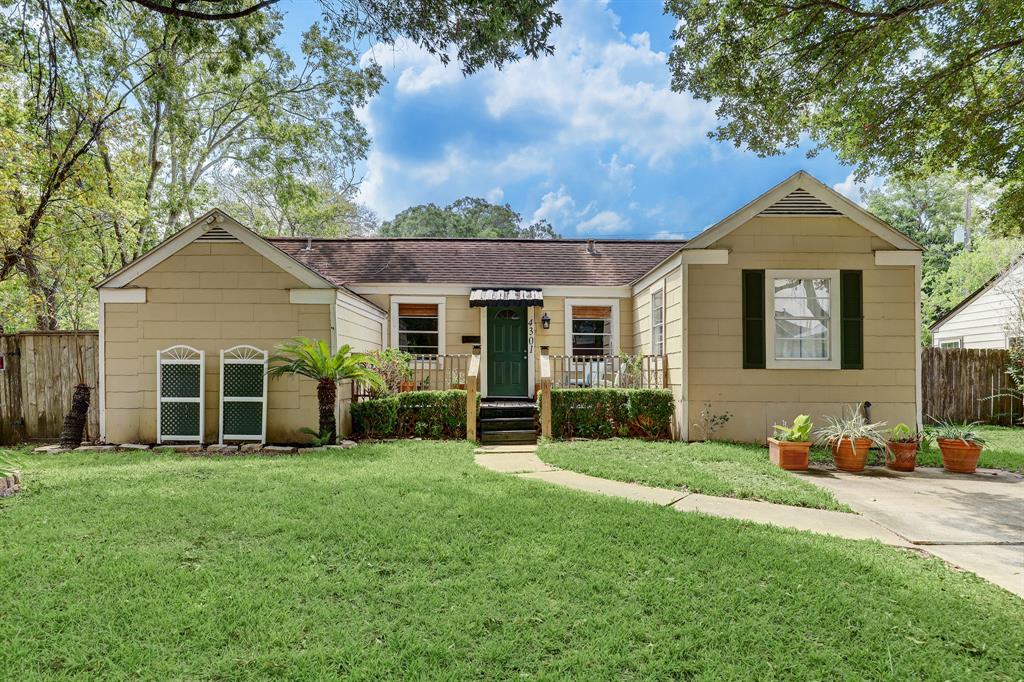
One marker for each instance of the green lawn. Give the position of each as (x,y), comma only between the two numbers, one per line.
(406,560)
(1004,449)
(722,469)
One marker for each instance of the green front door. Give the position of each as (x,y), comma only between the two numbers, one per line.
(506,352)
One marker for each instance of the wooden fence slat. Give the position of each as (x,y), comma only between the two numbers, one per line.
(959,384)
(40,376)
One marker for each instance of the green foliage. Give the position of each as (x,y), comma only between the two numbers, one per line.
(314,360)
(466,217)
(799,432)
(901,433)
(610,412)
(710,421)
(852,426)
(377,418)
(950,430)
(394,367)
(424,414)
(967,271)
(631,369)
(895,88)
(318,438)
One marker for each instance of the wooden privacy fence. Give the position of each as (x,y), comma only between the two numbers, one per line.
(38,377)
(958,384)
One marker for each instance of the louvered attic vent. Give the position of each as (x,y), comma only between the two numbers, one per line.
(217,234)
(800,202)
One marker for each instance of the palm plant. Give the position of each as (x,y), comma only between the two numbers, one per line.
(314,360)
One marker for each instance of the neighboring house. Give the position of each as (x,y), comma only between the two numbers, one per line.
(982,319)
(801,301)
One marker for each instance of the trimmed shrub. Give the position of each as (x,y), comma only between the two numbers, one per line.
(611,412)
(650,413)
(424,414)
(376,418)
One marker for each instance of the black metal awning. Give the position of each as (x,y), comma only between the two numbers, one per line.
(505,298)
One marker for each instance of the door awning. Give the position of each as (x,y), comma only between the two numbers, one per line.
(515,298)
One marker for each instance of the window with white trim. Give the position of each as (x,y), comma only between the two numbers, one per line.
(952,343)
(802,309)
(658,322)
(591,328)
(417,325)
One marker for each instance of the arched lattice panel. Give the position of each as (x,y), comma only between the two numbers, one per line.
(243,394)
(181,383)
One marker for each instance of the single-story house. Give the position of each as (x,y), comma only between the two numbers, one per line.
(982,320)
(800,301)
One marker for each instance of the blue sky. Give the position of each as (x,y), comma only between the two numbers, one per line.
(592,138)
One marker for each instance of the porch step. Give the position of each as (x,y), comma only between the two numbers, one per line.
(508,424)
(492,437)
(508,421)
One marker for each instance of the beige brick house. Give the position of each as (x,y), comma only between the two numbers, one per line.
(798,302)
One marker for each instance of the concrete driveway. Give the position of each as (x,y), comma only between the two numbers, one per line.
(975,522)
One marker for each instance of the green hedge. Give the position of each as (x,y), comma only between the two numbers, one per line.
(425,414)
(610,412)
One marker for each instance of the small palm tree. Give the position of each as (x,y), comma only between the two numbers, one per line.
(313,359)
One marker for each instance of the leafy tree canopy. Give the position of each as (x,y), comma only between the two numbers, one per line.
(896,87)
(967,271)
(466,217)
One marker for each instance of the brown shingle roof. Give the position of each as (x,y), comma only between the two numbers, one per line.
(483,262)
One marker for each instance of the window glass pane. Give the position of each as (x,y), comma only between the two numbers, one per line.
(802,298)
(590,326)
(418,342)
(417,324)
(801,339)
(591,344)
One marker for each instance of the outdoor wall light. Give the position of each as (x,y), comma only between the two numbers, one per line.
(545,321)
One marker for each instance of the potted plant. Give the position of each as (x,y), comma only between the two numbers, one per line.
(850,438)
(960,445)
(395,368)
(901,448)
(793,443)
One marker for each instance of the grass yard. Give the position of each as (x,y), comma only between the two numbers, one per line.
(1004,449)
(722,469)
(406,560)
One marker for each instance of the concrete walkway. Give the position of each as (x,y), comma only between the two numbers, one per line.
(973,521)
(522,460)
(994,554)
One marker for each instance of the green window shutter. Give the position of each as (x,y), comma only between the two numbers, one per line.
(851,311)
(753,319)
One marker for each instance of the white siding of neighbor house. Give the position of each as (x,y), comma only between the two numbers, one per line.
(982,322)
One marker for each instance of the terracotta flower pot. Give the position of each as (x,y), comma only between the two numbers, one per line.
(959,456)
(903,456)
(408,386)
(789,455)
(849,456)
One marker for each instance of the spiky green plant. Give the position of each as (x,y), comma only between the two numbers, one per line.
(314,360)
(852,427)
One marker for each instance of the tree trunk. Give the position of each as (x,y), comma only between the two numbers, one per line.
(327,394)
(74,421)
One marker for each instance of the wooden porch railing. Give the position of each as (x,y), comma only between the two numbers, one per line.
(429,373)
(608,371)
(545,396)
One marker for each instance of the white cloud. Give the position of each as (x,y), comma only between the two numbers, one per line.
(852,189)
(555,207)
(620,174)
(601,92)
(495,195)
(605,222)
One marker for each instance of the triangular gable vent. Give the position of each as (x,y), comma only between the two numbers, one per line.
(800,202)
(217,234)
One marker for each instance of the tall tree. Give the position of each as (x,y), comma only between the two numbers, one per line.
(465,217)
(896,87)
